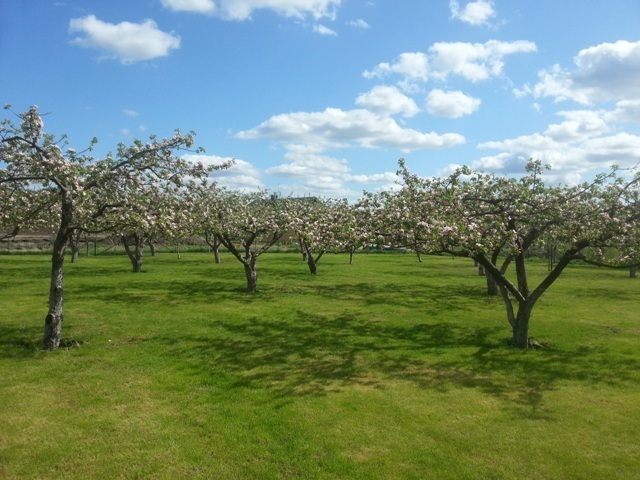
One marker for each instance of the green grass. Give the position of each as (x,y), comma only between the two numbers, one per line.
(385,369)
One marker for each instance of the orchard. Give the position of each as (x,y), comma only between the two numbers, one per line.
(148,190)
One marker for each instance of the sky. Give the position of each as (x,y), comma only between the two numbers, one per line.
(322,97)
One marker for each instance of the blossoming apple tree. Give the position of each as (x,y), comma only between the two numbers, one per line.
(91,194)
(246,224)
(475,215)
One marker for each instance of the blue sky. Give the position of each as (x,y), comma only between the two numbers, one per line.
(323,96)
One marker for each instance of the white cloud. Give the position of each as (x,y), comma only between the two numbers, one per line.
(194,6)
(579,125)
(335,128)
(243,9)
(130,113)
(387,100)
(477,12)
(318,174)
(579,144)
(472,61)
(626,111)
(322,30)
(359,23)
(451,104)
(125,41)
(242,175)
(609,71)
(413,66)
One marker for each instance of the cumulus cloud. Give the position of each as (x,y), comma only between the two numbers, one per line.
(413,66)
(313,172)
(336,128)
(242,175)
(579,125)
(609,71)
(130,113)
(626,111)
(451,104)
(388,100)
(582,142)
(323,30)
(478,12)
(194,6)
(472,61)
(241,10)
(125,41)
(359,23)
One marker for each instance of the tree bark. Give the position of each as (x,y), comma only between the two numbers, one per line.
(492,286)
(303,249)
(251,273)
(312,264)
(55,315)
(520,327)
(74,243)
(633,272)
(135,254)
(214,241)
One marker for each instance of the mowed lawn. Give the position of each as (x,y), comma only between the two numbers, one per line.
(384,369)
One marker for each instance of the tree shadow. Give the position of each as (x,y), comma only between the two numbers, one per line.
(319,354)
(19,342)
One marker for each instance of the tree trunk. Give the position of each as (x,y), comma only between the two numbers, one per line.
(135,253)
(419,256)
(303,249)
(520,327)
(351,257)
(152,247)
(214,245)
(492,286)
(251,273)
(311,261)
(53,320)
(75,251)
(481,271)
(74,244)
(633,272)
(313,266)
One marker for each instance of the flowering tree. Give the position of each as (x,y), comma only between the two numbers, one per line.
(22,208)
(353,227)
(89,193)
(316,228)
(246,224)
(475,215)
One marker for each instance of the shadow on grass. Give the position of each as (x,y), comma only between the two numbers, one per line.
(20,342)
(317,355)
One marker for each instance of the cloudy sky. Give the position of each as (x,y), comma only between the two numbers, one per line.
(324,96)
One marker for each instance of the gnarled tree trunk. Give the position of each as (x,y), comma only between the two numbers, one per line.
(134,246)
(55,315)
(251,272)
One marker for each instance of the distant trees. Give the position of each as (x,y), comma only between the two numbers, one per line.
(90,194)
(246,224)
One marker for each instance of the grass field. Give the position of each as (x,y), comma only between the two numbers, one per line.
(385,369)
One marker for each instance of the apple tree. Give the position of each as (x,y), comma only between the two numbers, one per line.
(91,194)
